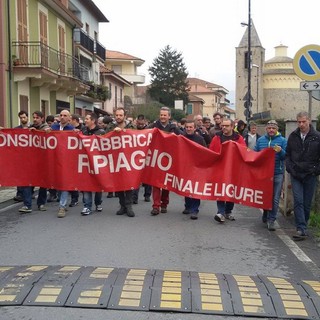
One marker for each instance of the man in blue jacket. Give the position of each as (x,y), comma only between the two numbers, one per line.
(273,139)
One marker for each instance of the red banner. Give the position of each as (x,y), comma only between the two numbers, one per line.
(66,160)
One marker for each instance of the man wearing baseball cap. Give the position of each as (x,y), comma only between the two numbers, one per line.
(273,139)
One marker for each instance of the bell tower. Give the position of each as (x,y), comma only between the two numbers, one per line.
(257,66)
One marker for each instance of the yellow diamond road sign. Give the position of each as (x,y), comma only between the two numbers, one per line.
(306,62)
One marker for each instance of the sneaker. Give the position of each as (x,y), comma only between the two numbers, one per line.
(154,211)
(194,216)
(110,195)
(73,203)
(300,235)
(99,208)
(61,213)
(130,212)
(265,216)
(42,207)
(147,199)
(271,226)
(121,211)
(164,210)
(135,201)
(186,211)
(86,211)
(25,209)
(18,198)
(230,217)
(219,217)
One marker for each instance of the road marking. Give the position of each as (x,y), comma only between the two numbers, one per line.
(299,253)
(14,205)
(294,248)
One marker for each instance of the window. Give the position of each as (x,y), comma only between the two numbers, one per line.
(116,96)
(87,29)
(117,69)
(246,60)
(121,95)
(64,2)
(24,102)
(110,90)
(189,108)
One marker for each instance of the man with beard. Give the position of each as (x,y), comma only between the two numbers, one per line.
(125,197)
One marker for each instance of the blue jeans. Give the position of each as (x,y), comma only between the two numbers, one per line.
(277,186)
(225,207)
(87,199)
(303,192)
(63,195)
(27,196)
(192,204)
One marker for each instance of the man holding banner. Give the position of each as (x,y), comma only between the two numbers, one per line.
(125,197)
(192,204)
(161,196)
(227,134)
(65,118)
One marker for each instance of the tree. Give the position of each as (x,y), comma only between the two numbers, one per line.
(168,78)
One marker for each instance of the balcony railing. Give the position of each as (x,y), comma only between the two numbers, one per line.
(100,51)
(38,54)
(80,37)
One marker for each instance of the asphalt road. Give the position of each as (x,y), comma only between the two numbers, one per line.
(169,241)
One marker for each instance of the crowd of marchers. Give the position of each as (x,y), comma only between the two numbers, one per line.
(299,155)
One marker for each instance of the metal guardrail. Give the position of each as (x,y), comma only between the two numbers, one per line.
(38,54)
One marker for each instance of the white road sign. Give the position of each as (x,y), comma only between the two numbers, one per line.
(310,85)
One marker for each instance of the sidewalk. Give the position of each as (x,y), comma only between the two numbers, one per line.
(7,193)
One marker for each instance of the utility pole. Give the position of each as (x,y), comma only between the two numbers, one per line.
(248,103)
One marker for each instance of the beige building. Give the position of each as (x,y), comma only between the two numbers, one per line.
(213,95)
(275,88)
(126,66)
(116,86)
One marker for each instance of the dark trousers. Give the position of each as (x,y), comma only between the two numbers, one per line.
(147,192)
(125,198)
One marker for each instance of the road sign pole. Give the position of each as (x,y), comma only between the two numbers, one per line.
(310,104)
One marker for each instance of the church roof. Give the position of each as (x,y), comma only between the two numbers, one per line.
(280,60)
(255,41)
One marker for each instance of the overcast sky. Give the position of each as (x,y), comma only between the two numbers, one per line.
(206,32)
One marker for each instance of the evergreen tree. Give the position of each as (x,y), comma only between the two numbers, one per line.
(168,78)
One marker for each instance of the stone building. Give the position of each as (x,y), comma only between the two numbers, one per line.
(275,88)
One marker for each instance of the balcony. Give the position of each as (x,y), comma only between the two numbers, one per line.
(82,39)
(100,51)
(134,78)
(47,66)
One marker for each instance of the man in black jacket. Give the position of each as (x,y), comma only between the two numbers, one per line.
(91,128)
(303,164)
(161,196)
(192,204)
